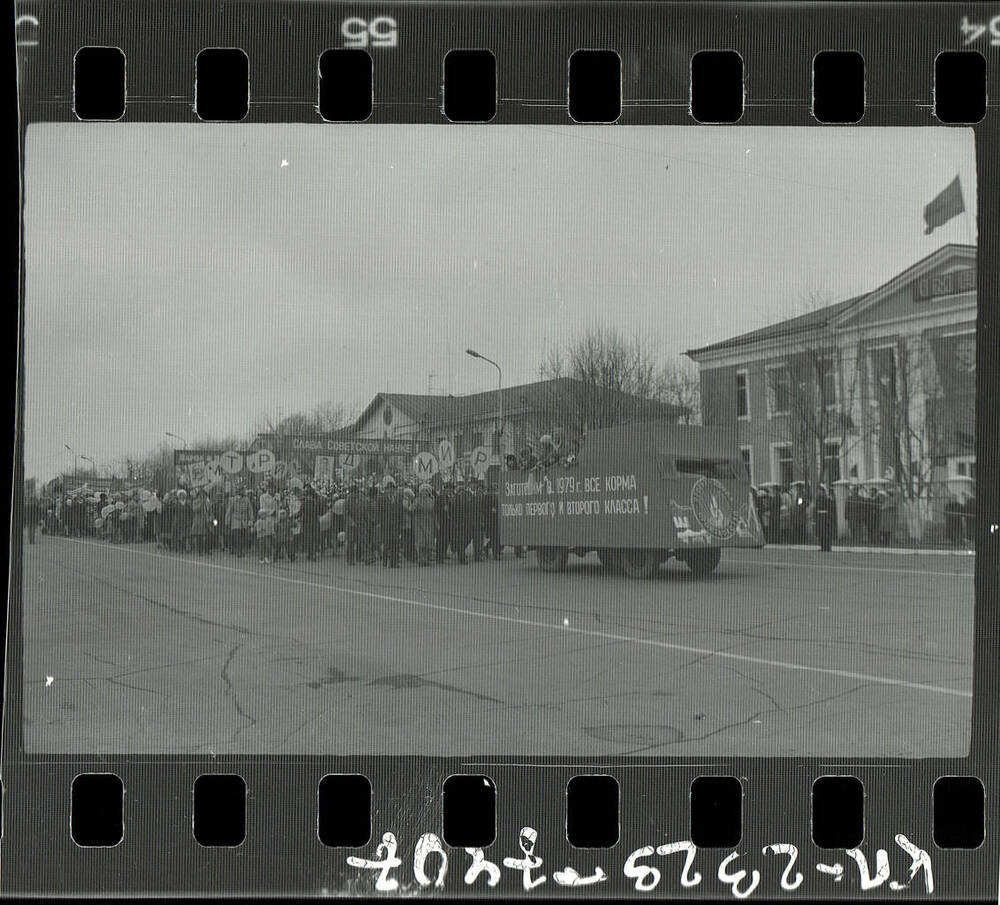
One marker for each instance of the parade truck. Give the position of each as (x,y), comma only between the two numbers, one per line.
(636,495)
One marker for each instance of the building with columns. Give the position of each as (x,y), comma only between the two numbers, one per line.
(879,386)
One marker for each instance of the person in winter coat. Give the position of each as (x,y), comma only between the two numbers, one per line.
(389,515)
(352,530)
(201,513)
(161,522)
(137,519)
(424,525)
(216,525)
(367,527)
(267,499)
(969,519)
(309,520)
(870,511)
(283,542)
(886,516)
(117,525)
(125,521)
(180,527)
(477,521)
(443,510)
(239,520)
(825,516)
(491,520)
(852,514)
(464,522)
(952,523)
(264,529)
(408,544)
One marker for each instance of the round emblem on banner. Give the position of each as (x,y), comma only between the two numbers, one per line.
(713,506)
(231,462)
(425,464)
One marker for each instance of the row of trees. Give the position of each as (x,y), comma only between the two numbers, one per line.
(151,467)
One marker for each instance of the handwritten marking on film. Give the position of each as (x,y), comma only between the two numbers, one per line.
(431,857)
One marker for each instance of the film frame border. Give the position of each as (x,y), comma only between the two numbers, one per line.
(532,44)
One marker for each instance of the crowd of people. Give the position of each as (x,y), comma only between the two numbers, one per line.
(793,514)
(369,521)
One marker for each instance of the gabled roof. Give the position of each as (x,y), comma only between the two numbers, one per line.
(430,409)
(791,326)
(828,314)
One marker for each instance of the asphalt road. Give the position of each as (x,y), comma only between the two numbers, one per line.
(780,652)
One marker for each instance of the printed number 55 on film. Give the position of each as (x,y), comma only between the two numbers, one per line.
(378,32)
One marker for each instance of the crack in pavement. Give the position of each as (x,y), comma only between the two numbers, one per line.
(186,614)
(40,683)
(230,694)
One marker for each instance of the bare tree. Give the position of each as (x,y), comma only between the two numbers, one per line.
(616,379)
(326,417)
(813,390)
(924,404)
(680,384)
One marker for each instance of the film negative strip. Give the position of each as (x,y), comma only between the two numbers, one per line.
(482,449)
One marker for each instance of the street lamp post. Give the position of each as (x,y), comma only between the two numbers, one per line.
(76,463)
(472,353)
(176,437)
(92,463)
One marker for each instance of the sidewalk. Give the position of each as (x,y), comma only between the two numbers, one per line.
(903,551)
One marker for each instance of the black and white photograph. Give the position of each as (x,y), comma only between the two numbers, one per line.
(518,441)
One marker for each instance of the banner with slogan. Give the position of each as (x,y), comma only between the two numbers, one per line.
(321,455)
(378,446)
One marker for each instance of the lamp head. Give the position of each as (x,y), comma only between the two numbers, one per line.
(473,353)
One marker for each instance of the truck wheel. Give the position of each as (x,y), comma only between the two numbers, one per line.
(552,559)
(640,563)
(609,559)
(703,562)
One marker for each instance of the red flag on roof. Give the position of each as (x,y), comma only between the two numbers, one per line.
(949,203)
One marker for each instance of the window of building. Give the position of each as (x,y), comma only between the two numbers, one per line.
(962,466)
(780,389)
(742,395)
(746,454)
(883,376)
(783,467)
(831,460)
(827,372)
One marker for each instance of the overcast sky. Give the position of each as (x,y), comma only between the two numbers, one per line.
(183,278)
